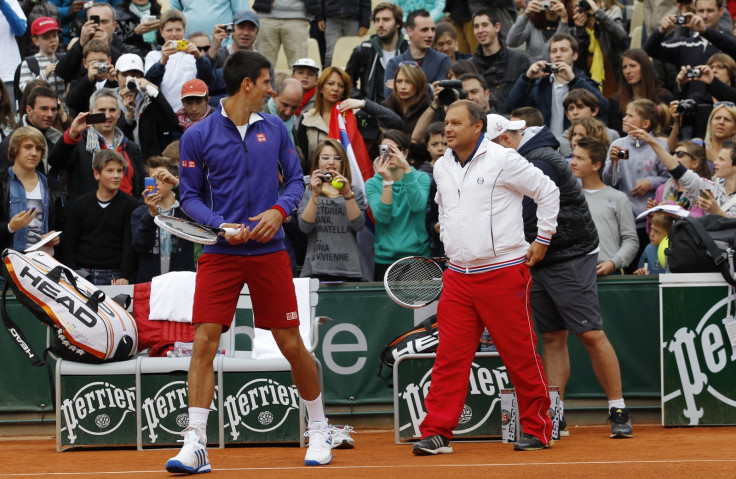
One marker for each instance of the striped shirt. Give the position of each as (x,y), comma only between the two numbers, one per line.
(26,75)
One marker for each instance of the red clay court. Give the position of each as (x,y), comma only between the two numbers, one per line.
(655,452)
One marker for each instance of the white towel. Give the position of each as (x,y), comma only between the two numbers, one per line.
(265,347)
(172,296)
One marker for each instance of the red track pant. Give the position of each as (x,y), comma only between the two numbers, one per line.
(498,300)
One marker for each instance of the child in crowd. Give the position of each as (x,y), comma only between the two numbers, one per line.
(578,104)
(98,63)
(45,35)
(649,262)
(26,209)
(589,126)
(632,166)
(610,208)
(195,98)
(532,116)
(436,146)
(158,251)
(98,227)
(306,71)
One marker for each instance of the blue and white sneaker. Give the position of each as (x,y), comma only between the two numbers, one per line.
(192,459)
(319,452)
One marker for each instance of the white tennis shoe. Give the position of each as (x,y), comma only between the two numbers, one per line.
(319,452)
(341,437)
(193,458)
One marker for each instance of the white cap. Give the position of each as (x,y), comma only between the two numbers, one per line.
(305,62)
(497,124)
(128,62)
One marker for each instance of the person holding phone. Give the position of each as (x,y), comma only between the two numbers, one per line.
(137,23)
(397,195)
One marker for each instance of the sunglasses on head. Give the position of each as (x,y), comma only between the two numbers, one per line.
(681,153)
(725,103)
(409,64)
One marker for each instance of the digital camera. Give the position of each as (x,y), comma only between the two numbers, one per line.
(101,67)
(327,177)
(131,83)
(623,154)
(452,91)
(693,73)
(229,27)
(583,6)
(546,5)
(550,68)
(680,19)
(686,106)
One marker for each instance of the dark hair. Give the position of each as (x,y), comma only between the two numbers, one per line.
(401,139)
(475,76)
(411,19)
(462,67)
(558,37)
(731,146)
(539,19)
(6,107)
(171,165)
(597,150)
(40,91)
(581,95)
(719,3)
(103,157)
(648,82)
(395,10)
(697,153)
(444,27)
(436,128)
(241,65)
(531,115)
(30,86)
(475,112)
(491,13)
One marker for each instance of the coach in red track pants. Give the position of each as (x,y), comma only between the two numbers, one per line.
(480,188)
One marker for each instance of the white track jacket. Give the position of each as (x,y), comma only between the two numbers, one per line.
(480,216)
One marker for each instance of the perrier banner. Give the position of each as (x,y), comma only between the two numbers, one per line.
(698,359)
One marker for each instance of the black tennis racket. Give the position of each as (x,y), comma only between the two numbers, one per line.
(414,281)
(191,231)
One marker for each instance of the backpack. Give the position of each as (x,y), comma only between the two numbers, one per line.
(88,326)
(700,245)
(32,62)
(422,339)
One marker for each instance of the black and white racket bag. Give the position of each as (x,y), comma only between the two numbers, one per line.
(87,326)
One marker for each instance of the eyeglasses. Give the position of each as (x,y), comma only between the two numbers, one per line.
(681,153)
(204,49)
(725,103)
(409,64)
(336,159)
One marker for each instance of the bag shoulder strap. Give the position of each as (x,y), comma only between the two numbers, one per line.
(15,332)
(720,257)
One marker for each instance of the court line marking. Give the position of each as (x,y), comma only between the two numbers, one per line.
(406,466)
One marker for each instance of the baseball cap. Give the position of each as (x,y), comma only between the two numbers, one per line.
(128,62)
(305,62)
(42,25)
(497,124)
(194,87)
(246,16)
(367,125)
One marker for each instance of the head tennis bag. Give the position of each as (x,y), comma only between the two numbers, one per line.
(88,327)
(422,339)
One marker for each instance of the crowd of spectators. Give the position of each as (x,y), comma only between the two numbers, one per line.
(83,80)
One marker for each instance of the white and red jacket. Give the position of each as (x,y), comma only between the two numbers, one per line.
(480,210)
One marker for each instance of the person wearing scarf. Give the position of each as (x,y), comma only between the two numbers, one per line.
(195,97)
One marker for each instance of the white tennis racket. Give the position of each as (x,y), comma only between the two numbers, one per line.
(191,231)
(414,281)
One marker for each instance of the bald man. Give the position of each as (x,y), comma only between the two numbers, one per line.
(288,97)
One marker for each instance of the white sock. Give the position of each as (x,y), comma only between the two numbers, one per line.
(617,403)
(315,411)
(198,417)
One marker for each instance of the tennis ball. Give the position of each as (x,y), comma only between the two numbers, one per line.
(660,250)
(337,184)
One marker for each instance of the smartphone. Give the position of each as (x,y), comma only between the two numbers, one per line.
(95,118)
(384,152)
(705,193)
(95,18)
(150,185)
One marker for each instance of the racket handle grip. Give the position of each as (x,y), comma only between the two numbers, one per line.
(230,231)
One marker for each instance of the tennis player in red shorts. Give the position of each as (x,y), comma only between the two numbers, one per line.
(229,177)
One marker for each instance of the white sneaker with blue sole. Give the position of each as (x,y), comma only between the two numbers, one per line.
(319,452)
(193,458)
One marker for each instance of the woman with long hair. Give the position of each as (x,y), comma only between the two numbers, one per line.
(674,192)
(541,20)
(459,68)
(7,118)
(721,128)
(409,98)
(333,86)
(331,214)
(636,81)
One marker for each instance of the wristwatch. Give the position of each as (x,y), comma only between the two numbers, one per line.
(388,183)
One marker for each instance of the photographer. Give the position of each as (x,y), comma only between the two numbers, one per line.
(603,64)
(534,88)
(99,73)
(542,19)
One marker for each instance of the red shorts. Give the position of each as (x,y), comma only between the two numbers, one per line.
(220,278)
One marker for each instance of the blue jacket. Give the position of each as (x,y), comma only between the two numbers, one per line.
(538,93)
(224,179)
(14,201)
(434,65)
